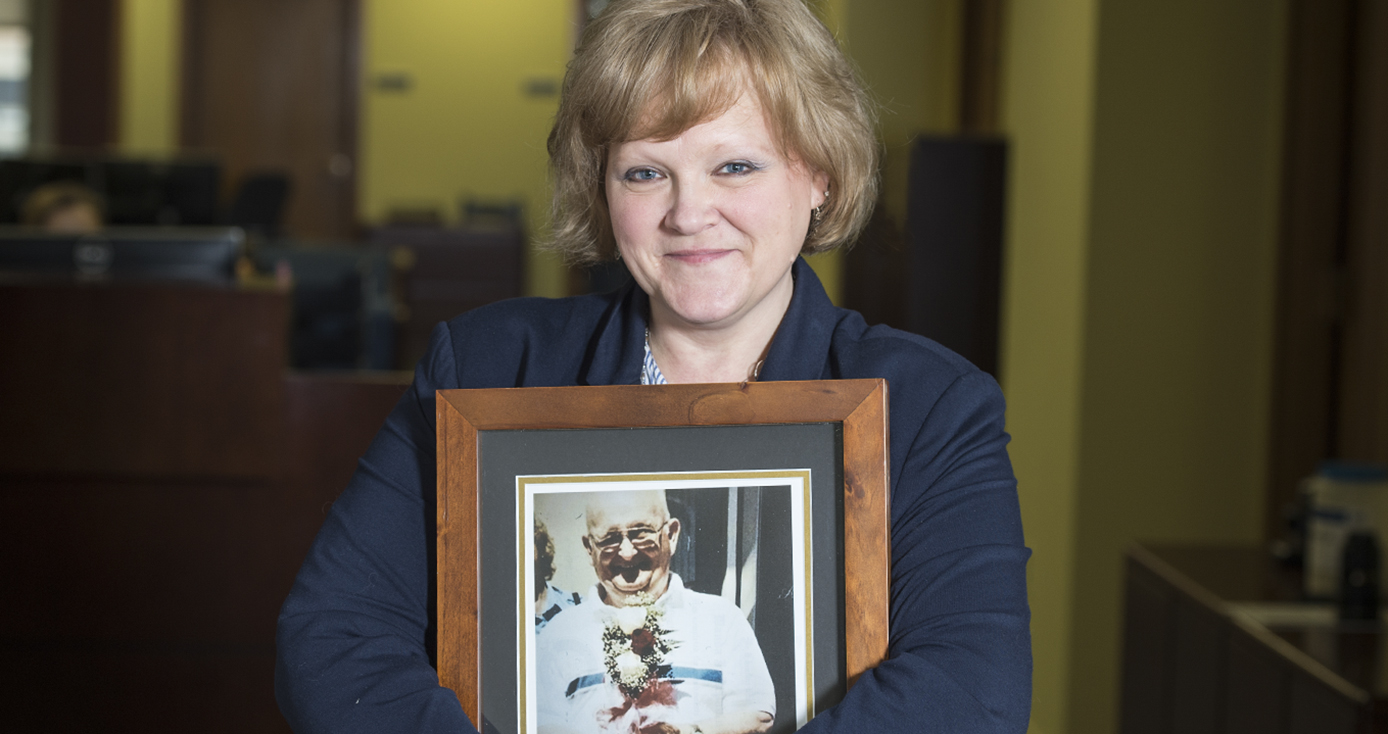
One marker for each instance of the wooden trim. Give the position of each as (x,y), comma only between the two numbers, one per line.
(1315,150)
(458,590)
(87,73)
(860,405)
(351,106)
(980,72)
(1140,555)
(1311,666)
(1362,414)
(867,527)
(190,89)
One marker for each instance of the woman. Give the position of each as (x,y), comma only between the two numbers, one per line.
(549,601)
(707,144)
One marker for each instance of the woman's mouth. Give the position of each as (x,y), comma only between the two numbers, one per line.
(696,257)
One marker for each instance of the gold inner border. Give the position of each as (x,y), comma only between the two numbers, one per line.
(525,611)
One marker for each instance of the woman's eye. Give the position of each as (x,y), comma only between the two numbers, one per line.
(642,174)
(737,168)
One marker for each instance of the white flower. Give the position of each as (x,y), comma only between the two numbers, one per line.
(630,619)
(631,669)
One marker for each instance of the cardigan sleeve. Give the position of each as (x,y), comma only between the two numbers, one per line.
(959,657)
(355,635)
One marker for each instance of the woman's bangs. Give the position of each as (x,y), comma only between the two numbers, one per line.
(689,89)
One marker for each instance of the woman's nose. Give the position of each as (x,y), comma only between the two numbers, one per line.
(692,209)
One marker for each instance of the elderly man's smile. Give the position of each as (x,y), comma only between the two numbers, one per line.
(631,576)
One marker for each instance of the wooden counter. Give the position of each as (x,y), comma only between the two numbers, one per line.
(1218,640)
(161,478)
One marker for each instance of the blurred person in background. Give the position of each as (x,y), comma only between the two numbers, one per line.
(64,206)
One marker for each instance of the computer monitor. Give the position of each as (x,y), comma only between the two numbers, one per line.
(206,254)
(180,193)
(138,192)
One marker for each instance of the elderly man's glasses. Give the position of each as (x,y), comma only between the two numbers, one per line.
(640,538)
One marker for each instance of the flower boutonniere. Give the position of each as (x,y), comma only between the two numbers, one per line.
(634,645)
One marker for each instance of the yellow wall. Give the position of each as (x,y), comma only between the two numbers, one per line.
(1180,300)
(1140,277)
(150,31)
(907,54)
(466,128)
(1048,95)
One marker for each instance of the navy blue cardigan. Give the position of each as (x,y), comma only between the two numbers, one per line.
(352,651)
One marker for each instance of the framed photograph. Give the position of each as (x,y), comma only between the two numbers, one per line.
(649,558)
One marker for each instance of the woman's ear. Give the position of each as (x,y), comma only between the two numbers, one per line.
(819,194)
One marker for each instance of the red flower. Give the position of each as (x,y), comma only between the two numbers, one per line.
(642,642)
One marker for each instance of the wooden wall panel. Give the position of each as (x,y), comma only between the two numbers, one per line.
(1198,683)
(1148,637)
(1313,190)
(142,595)
(1330,376)
(272,85)
(140,561)
(1315,709)
(141,379)
(86,57)
(1363,406)
(1259,684)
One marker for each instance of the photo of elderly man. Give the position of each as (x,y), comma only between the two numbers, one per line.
(642,653)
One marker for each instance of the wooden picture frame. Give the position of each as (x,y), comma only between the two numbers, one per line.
(857,410)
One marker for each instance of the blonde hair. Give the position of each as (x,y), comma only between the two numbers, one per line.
(51,198)
(651,69)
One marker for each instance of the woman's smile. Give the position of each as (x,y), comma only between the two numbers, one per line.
(698,257)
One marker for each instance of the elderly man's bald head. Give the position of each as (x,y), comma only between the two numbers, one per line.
(647,504)
(630,540)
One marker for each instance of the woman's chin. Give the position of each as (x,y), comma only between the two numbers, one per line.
(705,311)
(719,304)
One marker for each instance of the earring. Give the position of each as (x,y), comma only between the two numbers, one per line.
(816,212)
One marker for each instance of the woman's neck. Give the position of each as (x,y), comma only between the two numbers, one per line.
(693,354)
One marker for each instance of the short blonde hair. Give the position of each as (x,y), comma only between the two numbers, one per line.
(655,68)
(51,198)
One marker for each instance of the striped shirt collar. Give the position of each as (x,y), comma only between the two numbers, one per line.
(651,375)
(650,371)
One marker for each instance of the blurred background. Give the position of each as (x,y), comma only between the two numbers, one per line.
(1160,225)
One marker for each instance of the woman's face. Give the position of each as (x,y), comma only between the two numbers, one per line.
(709,223)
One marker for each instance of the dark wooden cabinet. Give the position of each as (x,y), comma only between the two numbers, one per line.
(161,478)
(1217,640)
